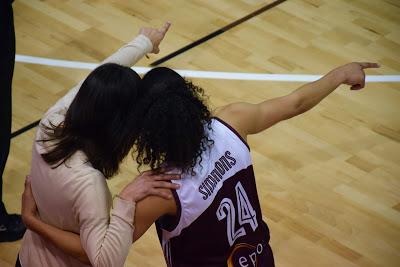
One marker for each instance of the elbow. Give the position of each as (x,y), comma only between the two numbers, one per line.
(299,104)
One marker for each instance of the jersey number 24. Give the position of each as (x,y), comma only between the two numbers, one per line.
(246,214)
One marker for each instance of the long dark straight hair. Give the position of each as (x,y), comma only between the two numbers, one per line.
(96,121)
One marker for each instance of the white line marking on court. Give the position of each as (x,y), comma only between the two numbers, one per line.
(201,74)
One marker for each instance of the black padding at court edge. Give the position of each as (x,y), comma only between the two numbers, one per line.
(216,33)
(25,128)
(184,49)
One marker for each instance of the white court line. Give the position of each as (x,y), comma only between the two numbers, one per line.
(201,74)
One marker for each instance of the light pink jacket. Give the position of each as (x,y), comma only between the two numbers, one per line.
(75,196)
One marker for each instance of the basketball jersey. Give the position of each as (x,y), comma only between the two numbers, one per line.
(218,221)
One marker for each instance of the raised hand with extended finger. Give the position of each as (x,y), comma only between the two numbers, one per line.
(155,35)
(353,73)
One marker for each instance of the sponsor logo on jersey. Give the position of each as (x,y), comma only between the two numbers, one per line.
(245,255)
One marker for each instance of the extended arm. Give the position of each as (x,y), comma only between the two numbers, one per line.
(147,41)
(253,118)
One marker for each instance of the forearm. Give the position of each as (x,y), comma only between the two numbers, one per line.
(127,55)
(68,242)
(309,95)
(253,118)
(108,245)
(132,52)
(107,239)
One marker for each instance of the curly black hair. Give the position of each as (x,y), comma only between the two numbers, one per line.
(171,122)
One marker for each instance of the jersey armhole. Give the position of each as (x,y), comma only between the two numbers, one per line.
(232,130)
(169,222)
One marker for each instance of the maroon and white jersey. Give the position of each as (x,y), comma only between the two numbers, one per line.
(219,221)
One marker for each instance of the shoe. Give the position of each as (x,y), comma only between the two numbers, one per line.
(11,228)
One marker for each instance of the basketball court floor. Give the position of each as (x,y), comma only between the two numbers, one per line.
(328,181)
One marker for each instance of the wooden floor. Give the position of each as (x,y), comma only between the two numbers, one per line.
(328,181)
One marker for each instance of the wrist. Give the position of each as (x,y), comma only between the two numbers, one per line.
(127,196)
(124,196)
(145,42)
(124,209)
(338,76)
(30,221)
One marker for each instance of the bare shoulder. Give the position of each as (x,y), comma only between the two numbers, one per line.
(230,112)
(235,115)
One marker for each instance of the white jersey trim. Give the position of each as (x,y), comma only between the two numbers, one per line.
(228,155)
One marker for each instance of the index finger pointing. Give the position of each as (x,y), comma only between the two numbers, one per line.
(27,180)
(366,65)
(166,26)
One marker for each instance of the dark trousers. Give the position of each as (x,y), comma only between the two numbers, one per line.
(7,60)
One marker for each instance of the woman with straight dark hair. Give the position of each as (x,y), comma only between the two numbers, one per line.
(80,142)
(215,217)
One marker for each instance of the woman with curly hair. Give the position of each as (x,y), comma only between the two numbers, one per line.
(215,217)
